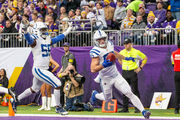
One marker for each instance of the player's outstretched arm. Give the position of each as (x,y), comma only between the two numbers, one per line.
(61,36)
(29,39)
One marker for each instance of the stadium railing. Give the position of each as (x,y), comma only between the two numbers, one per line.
(161,36)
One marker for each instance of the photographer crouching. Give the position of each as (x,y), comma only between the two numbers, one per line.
(74,90)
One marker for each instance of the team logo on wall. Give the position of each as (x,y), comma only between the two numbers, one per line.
(160,100)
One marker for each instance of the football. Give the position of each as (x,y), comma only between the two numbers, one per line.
(111,57)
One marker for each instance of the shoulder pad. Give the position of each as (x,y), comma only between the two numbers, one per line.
(94,53)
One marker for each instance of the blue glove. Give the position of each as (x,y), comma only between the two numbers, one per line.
(130,58)
(107,63)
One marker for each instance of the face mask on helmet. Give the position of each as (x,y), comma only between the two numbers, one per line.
(44,32)
(98,36)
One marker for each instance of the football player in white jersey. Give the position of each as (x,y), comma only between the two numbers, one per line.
(40,43)
(108,73)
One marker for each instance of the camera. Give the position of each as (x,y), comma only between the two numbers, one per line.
(71,71)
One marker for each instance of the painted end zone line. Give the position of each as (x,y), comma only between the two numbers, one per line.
(89,116)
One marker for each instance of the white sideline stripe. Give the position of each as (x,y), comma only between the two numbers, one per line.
(90,116)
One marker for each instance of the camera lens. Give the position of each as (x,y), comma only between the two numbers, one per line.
(71,71)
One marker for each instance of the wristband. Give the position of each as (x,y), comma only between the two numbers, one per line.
(140,67)
(60,75)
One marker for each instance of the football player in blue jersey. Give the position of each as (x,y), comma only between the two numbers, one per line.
(108,73)
(40,43)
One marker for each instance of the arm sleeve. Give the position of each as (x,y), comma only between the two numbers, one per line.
(94,53)
(57,38)
(29,38)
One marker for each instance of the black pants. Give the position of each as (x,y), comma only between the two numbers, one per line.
(132,78)
(177,88)
(62,93)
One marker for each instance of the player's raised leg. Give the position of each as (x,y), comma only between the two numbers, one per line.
(124,87)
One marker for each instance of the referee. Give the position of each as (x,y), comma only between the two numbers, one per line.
(175,58)
(130,70)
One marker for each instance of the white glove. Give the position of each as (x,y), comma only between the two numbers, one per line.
(68,30)
(25,25)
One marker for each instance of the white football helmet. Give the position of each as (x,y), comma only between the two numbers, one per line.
(40,29)
(98,35)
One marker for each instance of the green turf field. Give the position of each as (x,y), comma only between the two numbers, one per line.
(97,111)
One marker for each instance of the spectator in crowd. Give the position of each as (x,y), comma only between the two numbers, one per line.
(2,20)
(169,33)
(90,15)
(128,20)
(78,14)
(119,14)
(66,60)
(160,13)
(143,13)
(10,13)
(175,62)
(85,25)
(27,12)
(92,5)
(175,9)
(62,3)
(71,14)
(100,17)
(8,40)
(52,26)
(52,3)
(138,34)
(62,13)
(20,8)
(52,13)
(41,8)
(46,88)
(131,69)
(72,4)
(3,80)
(134,5)
(151,34)
(84,3)
(25,4)
(112,3)
(109,13)
(32,7)
(34,19)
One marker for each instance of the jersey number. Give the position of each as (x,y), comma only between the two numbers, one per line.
(45,48)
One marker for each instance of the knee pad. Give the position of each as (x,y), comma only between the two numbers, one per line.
(35,89)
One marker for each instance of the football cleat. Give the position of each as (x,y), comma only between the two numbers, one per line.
(14,105)
(146,114)
(61,110)
(93,98)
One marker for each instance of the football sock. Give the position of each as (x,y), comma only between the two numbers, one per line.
(26,93)
(57,96)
